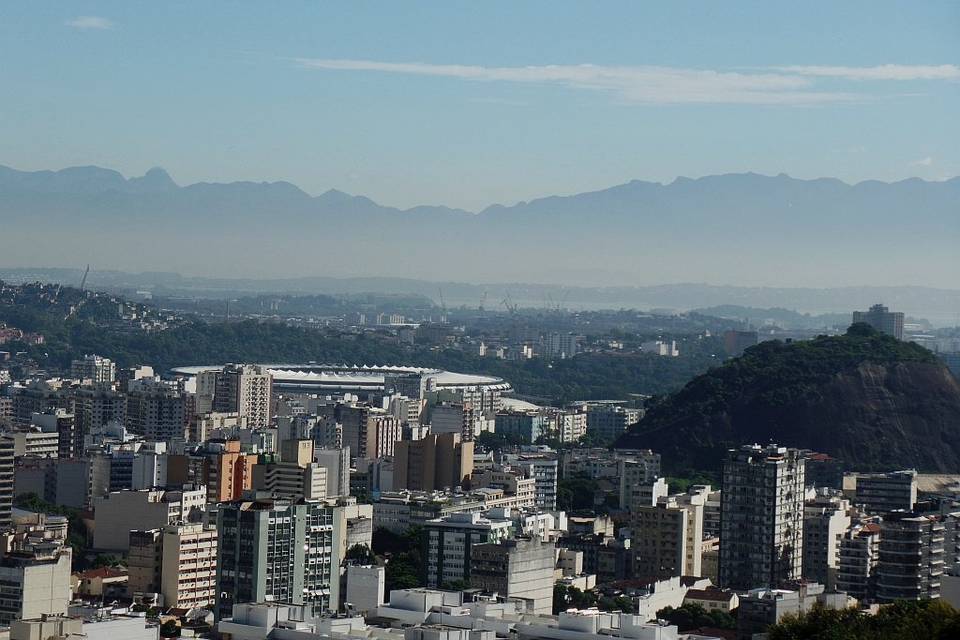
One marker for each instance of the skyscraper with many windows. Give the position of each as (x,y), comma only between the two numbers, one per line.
(761,517)
(277,550)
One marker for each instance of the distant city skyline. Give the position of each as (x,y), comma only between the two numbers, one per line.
(469,105)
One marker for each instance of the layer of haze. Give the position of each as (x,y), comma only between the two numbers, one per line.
(468,104)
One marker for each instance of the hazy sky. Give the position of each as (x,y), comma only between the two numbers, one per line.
(470,103)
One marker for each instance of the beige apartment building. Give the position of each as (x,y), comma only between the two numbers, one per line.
(188,574)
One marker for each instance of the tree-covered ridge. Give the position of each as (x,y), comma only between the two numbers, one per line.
(190,341)
(863,397)
(782,371)
(926,619)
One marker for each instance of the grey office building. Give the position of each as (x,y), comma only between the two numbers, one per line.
(275,550)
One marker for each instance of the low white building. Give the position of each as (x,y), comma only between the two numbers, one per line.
(665,593)
(365,587)
(592,624)
(128,627)
(273,621)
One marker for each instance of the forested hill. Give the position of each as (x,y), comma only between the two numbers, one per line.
(75,323)
(868,399)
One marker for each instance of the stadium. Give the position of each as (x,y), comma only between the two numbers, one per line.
(334,379)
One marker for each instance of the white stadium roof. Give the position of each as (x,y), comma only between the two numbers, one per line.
(345,377)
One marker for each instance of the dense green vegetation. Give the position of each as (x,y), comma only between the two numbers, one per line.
(854,397)
(580,493)
(927,619)
(403,557)
(565,597)
(93,330)
(780,373)
(693,616)
(77,537)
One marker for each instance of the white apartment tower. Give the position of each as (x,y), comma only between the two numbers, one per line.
(97,369)
(244,389)
(825,522)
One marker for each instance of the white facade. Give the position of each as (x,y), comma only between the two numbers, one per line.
(365,587)
(35,585)
(337,464)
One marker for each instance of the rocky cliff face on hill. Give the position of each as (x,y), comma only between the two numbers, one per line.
(867,399)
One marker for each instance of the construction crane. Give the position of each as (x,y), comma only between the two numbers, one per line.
(443,307)
(510,305)
(83,280)
(483,301)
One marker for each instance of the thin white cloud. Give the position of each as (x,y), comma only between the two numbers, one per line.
(640,85)
(922,162)
(90,22)
(879,72)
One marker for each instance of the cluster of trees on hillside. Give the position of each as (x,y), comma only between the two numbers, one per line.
(927,619)
(587,376)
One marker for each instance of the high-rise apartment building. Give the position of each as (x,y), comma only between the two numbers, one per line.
(528,426)
(606,421)
(882,319)
(97,369)
(64,424)
(544,472)
(96,408)
(561,345)
(825,522)
(911,559)
(188,575)
(121,512)
(761,519)
(571,425)
(454,417)
(383,431)
(34,444)
(450,541)
(35,579)
(144,562)
(37,397)
(277,550)
(157,409)
(246,390)
(228,472)
(337,464)
(294,475)
(521,569)
(438,461)
(859,552)
(883,492)
(668,537)
(636,493)
(6,482)
(368,432)
(638,473)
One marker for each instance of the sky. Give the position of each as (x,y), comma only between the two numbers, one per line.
(472,103)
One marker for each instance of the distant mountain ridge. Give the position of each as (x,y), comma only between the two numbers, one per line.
(731,228)
(91,179)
